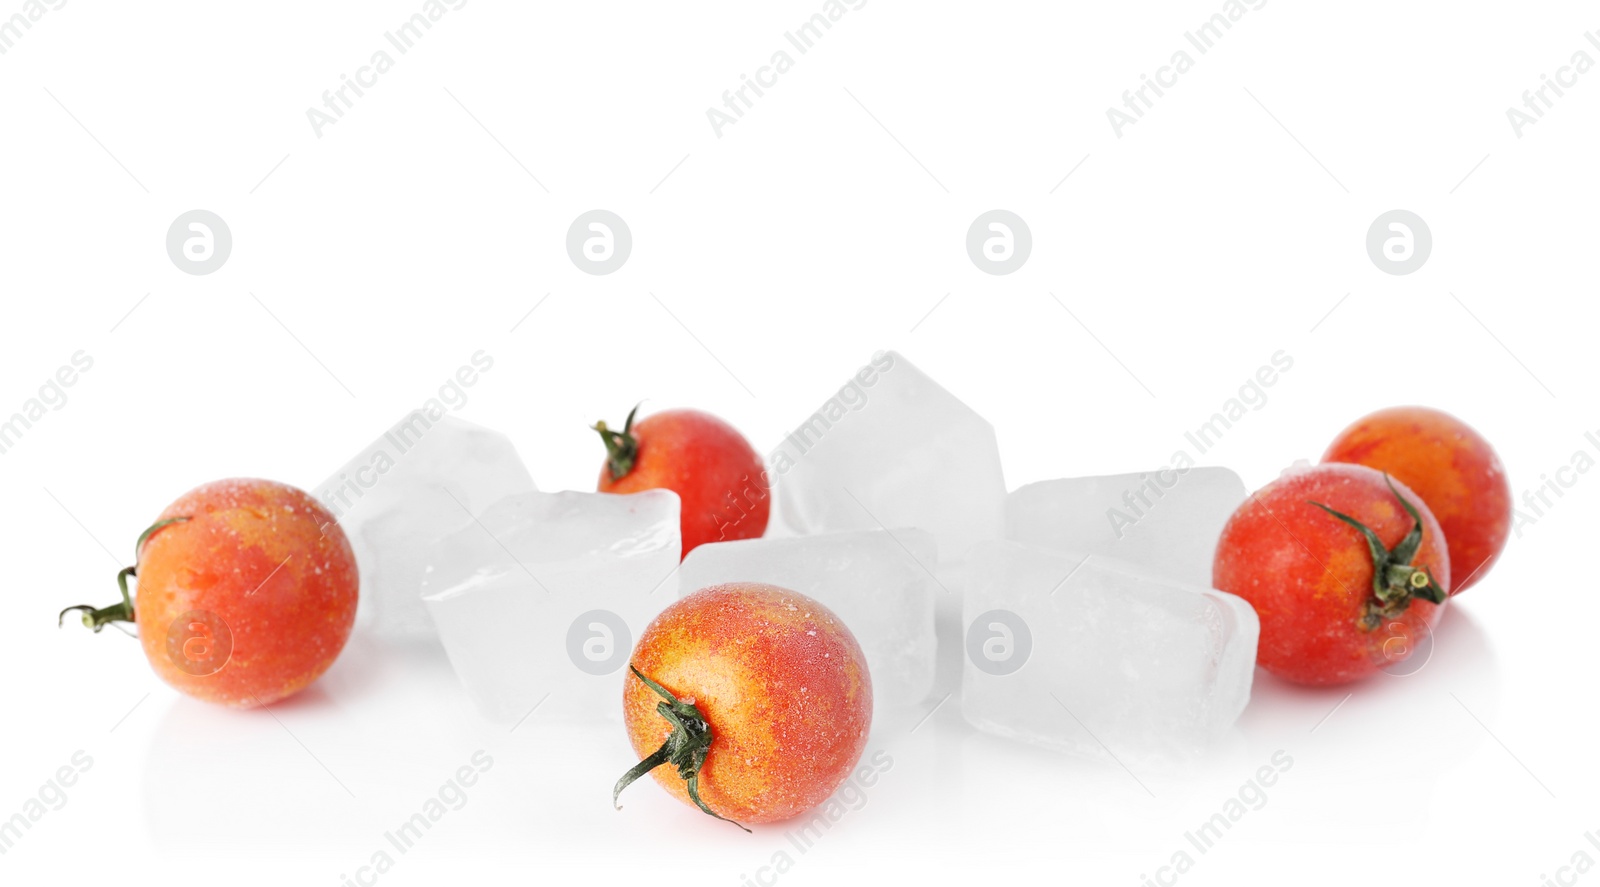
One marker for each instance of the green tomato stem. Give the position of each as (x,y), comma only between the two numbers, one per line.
(686,748)
(1395,581)
(99,617)
(621,446)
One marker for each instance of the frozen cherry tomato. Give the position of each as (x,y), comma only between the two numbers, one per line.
(246,592)
(756,696)
(1345,568)
(718,476)
(1451,467)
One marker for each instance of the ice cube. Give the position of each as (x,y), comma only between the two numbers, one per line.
(423,479)
(1089,655)
(538,603)
(1166,521)
(893,449)
(879,583)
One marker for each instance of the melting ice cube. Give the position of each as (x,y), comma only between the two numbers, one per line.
(538,602)
(1089,655)
(879,583)
(1165,521)
(893,449)
(425,478)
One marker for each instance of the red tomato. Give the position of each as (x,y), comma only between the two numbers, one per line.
(1337,601)
(758,698)
(1451,467)
(718,476)
(246,592)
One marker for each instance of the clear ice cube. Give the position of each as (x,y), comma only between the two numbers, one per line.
(893,449)
(1165,521)
(878,583)
(422,480)
(538,603)
(1089,655)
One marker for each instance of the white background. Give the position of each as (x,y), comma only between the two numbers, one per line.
(771,262)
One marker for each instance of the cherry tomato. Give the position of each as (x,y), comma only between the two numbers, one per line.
(246,592)
(1451,467)
(718,476)
(1346,575)
(757,697)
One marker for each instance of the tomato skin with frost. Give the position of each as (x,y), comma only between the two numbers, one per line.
(781,681)
(1451,467)
(1309,575)
(719,478)
(251,585)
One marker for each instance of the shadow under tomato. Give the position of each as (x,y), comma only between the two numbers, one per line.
(301,771)
(1459,659)
(370,666)
(226,780)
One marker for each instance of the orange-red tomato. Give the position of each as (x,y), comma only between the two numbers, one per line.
(780,681)
(1451,467)
(1309,575)
(251,598)
(718,476)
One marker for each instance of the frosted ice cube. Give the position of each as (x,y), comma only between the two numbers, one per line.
(539,601)
(877,583)
(1085,654)
(1164,521)
(425,478)
(893,449)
